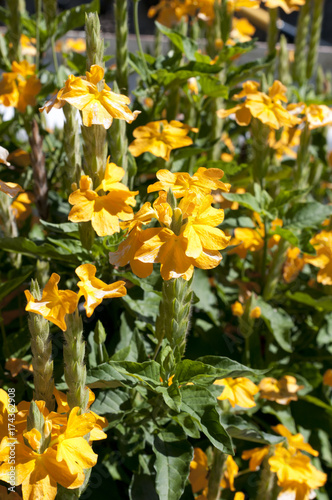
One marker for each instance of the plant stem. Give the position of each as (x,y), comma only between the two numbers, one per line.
(216,474)
(300,56)
(138,38)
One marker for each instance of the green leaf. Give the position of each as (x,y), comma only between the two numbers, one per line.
(287,196)
(142,488)
(10,285)
(185,45)
(212,87)
(287,234)
(201,405)
(31,249)
(238,428)
(278,322)
(305,215)
(319,303)
(173,456)
(114,403)
(188,424)
(248,70)
(115,373)
(74,18)
(64,227)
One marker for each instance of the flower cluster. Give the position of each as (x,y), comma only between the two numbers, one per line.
(187,236)
(97,107)
(20,87)
(50,447)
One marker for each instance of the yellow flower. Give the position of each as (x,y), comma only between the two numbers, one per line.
(318,115)
(95,290)
(255,456)
(178,246)
(242,30)
(253,239)
(287,6)
(322,243)
(239,391)
(28,46)
(160,138)
(71,45)
(327,379)
(237,308)
(202,182)
(282,391)
(265,107)
(198,476)
(192,85)
(230,473)
(54,304)
(293,264)
(290,138)
(236,5)
(239,495)
(104,211)
(20,87)
(295,473)
(295,442)
(255,313)
(21,207)
(19,157)
(98,107)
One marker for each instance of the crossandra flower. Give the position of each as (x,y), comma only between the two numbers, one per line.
(21,207)
(187,236)
(28,45)
(238,391)
(94,289)
(16,365)
(287,6)
(54,304)
(10,188)
(199,470)
(289,139)
(160,138)
(97,107)
(71,45)
(295,472)
(255,313)
(265,107)
(242,30)
(230,473)
(103,211)
(202,182)
(20,87)
(283,391)
(255,456)
(322,243)
(295,442)
(237,309)
(327,378)
(253,239)
(293,264)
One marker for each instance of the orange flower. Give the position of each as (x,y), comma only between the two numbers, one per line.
(255,457)
(160,138)
(54,304)
(322,243)
(20,87)
(295,442)
(20,158)
(104,211)
(98,107)
(198,476)
(230,473)
(293,265)
(28,46)
(16,365)
(71,45)
(239,391)
(95,290)
(327,379)
(287,6)
(236,5)
(237,309)
(318,115)
(282,391)
(265,107)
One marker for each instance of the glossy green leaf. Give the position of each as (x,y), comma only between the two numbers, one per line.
(278,322)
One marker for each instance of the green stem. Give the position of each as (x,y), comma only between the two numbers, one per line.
(275,270)
(216,474)
(121,31)
(272,35)
(316,28)
(55,62)
(38,15)
(138,38)
(264,259)
(300,55)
